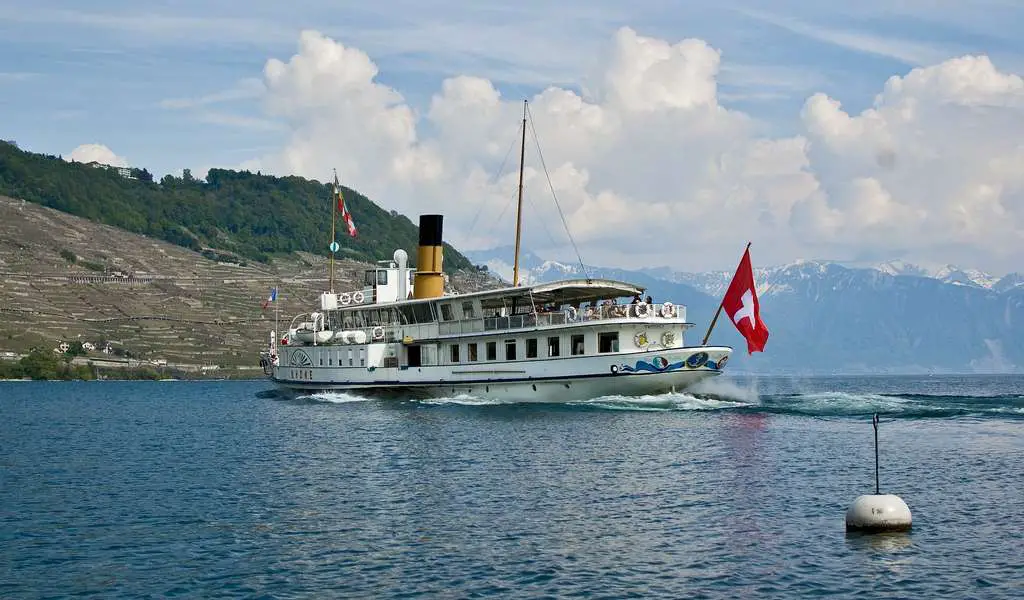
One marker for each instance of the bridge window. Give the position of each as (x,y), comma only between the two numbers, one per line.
(576,343)
(510,349)
(455,353)
(492,350)
(608,341)
(553,346)
(471,348)
(446,312)
(531,348)
(370,278)
(467,310)
(382,277)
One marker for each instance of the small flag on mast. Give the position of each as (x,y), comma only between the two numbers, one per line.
(271,298)
(345,215)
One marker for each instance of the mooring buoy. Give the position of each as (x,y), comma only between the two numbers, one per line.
(878,512)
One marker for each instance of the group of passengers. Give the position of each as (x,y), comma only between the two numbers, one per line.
(596,309)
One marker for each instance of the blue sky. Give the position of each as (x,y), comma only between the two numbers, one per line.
(181,84)
(110,71)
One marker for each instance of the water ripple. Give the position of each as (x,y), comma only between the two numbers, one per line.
(129,490)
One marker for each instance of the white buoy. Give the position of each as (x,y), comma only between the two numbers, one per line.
(878,512)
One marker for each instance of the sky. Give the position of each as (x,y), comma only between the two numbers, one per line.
(661,133)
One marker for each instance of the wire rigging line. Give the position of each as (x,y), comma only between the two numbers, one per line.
(494,179)
(536,142)
(542,225)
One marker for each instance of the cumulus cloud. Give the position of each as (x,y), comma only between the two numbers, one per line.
(650,169)
(87,153)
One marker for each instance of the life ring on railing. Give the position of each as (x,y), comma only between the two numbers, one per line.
(668,310)
(378,333)
(358,297)
(571,314)
(345,298)
(642,309)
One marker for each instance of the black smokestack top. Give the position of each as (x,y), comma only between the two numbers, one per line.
(430,230)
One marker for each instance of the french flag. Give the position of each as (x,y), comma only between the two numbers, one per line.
(271,298)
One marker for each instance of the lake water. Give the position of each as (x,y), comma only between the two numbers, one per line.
(220,489)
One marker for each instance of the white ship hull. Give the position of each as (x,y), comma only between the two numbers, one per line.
(547,381)
(540,391)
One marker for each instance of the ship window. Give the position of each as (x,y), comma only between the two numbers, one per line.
(350,363)
(446,312)
(423,313)
(408,317)
(608,341)
(455,353)
(531,348)
(576,343)
(321,360)
(492,350)
(510,349)
(467,310)
(382,277)
(553,346)
(471,351)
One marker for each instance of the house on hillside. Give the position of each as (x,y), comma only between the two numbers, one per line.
(126,172)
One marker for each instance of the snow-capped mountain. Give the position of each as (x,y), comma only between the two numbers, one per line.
(827,316)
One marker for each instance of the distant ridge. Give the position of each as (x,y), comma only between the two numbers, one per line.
(231,216)
(66,278)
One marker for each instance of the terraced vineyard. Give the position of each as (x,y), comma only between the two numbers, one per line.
(65,278)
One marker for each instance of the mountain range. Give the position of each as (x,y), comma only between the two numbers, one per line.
(830,317)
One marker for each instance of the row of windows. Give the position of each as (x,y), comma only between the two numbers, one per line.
(337,354)
(606,342)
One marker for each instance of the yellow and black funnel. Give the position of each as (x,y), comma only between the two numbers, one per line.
(429,278)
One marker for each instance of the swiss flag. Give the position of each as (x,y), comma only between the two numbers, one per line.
(741,304)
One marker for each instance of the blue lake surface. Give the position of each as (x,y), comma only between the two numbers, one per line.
(221,489)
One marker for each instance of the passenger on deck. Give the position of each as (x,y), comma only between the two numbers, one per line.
(636,299)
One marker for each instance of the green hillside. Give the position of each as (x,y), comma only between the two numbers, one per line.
(230,215)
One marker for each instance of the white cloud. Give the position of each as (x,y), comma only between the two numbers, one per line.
(650,169)
(87,153)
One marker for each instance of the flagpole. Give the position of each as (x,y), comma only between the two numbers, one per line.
(334,218)
(719,311)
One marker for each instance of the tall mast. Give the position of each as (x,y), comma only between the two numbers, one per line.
(519,208)
(334,218)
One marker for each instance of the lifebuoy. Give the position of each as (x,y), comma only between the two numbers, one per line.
(668,339)
(642,309)
(357,297)
(570,314)
(345,298)
(378,333)
(667,310)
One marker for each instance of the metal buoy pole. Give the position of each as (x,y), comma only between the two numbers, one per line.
(874,421)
